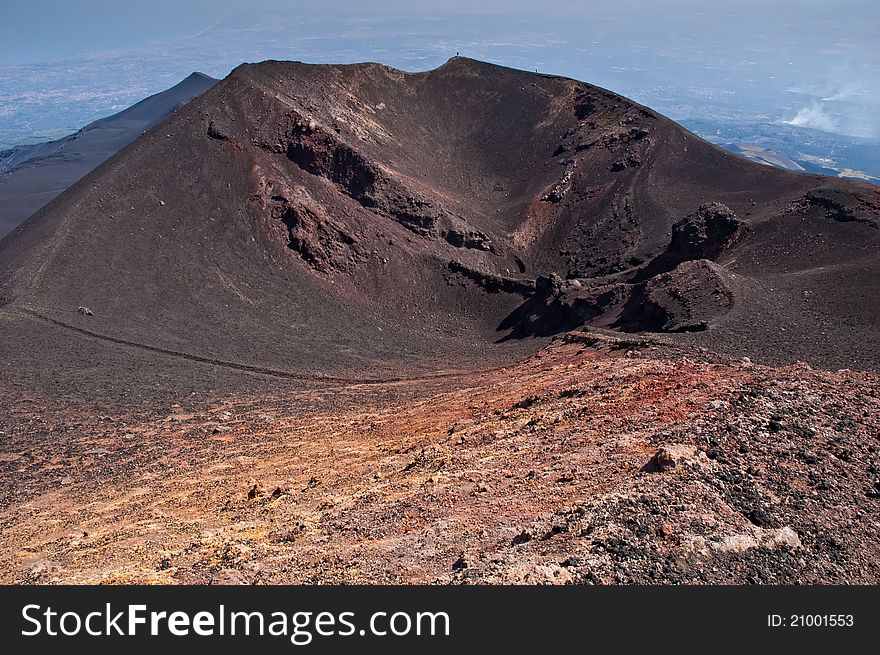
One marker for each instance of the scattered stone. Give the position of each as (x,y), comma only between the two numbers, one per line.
(761,538)
(557,529)
(669,457)
(525,403)
(532,574)
(460,425)
(229,577)
(758,517)
(631,160)
(567,477)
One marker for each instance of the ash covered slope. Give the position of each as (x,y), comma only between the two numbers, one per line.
(327,219)
(31,175)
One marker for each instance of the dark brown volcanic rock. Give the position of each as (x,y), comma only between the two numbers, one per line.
(845,207)
(692,297)
(686,299)
(705,233)
(358,220)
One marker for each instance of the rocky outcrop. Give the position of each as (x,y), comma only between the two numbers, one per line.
(217,131)
(465,238)
(685,299)
(492,283)
(323,242)
(557,193)
(629,160)
(705,233)
(671,456)
(322,153)
(843,207)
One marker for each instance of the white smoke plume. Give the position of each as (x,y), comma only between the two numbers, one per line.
(815,117)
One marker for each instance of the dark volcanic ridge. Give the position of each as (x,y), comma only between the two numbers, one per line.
(31,175)
(361,221)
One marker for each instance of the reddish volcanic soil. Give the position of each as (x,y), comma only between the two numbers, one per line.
(349,324)
(542,472)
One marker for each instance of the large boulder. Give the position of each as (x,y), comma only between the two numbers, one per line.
(705,233)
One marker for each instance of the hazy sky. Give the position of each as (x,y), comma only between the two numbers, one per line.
(45,30)
(41,30)
(814,62)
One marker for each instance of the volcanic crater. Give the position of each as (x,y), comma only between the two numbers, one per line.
(436,289)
